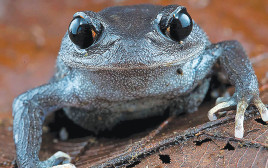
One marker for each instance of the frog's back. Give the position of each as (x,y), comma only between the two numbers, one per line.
(135,11)
(131,20)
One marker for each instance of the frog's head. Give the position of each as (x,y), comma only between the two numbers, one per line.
(125,37)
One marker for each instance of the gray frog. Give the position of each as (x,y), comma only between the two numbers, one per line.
(131,62)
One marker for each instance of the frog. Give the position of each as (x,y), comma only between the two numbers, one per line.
(131,62)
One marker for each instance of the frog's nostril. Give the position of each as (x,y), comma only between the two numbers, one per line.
(179,71)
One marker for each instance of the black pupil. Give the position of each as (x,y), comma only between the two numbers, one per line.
(180,25)
(80,32)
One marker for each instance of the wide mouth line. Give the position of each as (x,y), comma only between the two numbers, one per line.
(127,67)
(90,64)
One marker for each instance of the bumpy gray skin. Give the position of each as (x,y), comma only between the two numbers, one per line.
(130,72)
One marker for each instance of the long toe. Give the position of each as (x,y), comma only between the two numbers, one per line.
(58,158)
(69,165)
(262,108)
(220,107)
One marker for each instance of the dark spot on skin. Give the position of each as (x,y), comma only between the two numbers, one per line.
(179,71)
(199,143)
(133,164)
(229,147)
(165,159)
(259,120)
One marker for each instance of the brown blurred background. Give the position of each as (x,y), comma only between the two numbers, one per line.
(31,32)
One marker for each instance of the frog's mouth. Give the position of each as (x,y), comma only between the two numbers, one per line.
(126,66)
(103,62)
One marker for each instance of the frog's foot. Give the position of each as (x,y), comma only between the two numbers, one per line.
(57,159)
(241,107)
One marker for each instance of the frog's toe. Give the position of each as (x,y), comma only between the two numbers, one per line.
(241,108)
(222,99)
(56,159)
(220,107)
(262,109)
(239,118)
(68,165)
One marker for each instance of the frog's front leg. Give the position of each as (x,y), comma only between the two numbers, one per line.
(241,74)
(29,111)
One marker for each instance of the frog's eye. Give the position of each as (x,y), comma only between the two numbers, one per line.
(81,32)
(179,25)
